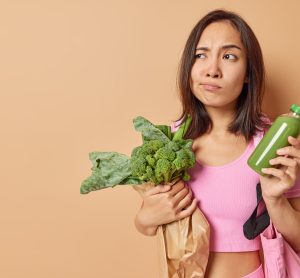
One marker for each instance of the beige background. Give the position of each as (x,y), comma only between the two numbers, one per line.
(73,75)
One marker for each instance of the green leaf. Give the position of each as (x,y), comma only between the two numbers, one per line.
(181,131)
(132,180)
(109,169)
(166,130)
(186,144)
(148,130)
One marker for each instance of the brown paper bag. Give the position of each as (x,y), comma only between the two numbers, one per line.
(183,246)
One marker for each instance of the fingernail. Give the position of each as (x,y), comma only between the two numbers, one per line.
(280,151)
(264,170)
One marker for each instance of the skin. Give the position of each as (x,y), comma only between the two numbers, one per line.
(164,204)
(225,67)
(281,180)
(284,213)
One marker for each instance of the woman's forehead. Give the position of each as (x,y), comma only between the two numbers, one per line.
(220,33)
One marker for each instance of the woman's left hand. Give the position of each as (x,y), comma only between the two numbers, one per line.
(280,180)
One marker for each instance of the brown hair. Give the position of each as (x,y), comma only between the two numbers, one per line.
(248,118)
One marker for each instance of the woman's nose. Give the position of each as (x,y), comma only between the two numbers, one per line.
(213,69)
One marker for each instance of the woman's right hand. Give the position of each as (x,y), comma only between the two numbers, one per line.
(163,204)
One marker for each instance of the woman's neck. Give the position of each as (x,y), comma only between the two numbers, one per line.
(221,118)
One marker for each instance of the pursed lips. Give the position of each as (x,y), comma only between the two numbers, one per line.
(210,87)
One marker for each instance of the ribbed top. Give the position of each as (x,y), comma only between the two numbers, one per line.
(227,197)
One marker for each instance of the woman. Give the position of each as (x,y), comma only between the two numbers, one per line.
(221,82)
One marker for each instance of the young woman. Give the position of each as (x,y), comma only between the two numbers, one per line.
(221,83)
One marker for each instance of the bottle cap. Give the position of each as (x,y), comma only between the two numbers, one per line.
(295,108)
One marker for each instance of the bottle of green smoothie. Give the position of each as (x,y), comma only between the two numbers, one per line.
(277,137)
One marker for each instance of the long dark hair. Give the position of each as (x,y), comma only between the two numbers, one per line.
(248,118)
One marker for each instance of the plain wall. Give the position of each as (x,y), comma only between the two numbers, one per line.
(73,75)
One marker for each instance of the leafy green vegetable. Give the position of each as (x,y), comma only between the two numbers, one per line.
(109,169)
(148,130)
(166,130)
(159,160)
(179,134)
(162,157)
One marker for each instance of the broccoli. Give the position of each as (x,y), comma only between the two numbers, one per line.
(163,157)
(164,170)
(175,146)
(150,175)
(165,153)
(185,159)
(151,160)
(161,161)
(138,166)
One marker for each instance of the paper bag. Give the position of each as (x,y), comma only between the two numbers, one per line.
(183,246)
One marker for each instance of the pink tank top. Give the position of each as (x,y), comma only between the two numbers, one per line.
(227,197)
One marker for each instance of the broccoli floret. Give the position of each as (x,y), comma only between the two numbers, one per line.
(150,174)
(185,159)
(142,156)
(148,148)
(156,144)
(162,161)
(174,146)
(151,160)
(165,152)
(186,176)
(138,166)
(145,149)
(164,170)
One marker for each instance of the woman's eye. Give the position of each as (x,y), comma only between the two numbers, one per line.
(230,57)
(200,56)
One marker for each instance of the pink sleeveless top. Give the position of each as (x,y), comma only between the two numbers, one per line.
(227,197)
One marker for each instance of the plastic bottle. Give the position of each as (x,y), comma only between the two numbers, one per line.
(277,137)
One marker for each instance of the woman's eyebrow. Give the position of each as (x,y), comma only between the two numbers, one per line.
(227,46)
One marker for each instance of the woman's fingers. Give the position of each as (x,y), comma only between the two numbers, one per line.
(284,174)
(184,200)
(286,161)
(162,188)
(177,187)
(290,160)
(188,211)
(178,200)
(294,141)
(157,189)
(180,195)
(279,173)
(292,151)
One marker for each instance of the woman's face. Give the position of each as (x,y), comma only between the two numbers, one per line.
(219,71)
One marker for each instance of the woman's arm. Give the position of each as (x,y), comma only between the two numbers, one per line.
(284,213)
(164,204)
(142,224)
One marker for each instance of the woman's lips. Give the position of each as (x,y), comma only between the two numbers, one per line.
(211,88)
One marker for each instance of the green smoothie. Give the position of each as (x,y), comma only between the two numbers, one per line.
(277,137)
